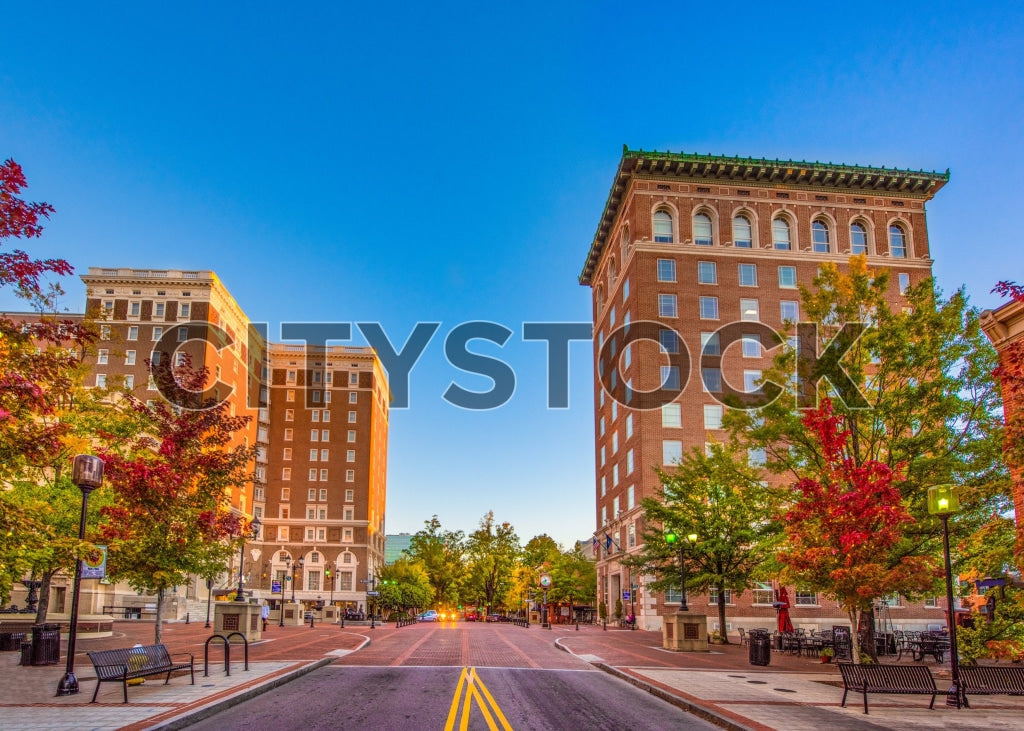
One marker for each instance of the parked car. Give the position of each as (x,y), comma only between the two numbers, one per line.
(495,618)
(428,616)
(472,617)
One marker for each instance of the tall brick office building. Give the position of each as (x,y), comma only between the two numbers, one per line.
(694,242)
(319,418)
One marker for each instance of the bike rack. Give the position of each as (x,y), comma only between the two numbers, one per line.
(226,639)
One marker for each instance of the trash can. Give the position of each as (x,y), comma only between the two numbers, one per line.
(760,643)
(26,654)
(45,644)
(11,641)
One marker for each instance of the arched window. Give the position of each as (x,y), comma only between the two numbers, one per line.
(742,232)
(663,227)
(897,242)
(820,237)
(780,234)
(702,230)
(858,239)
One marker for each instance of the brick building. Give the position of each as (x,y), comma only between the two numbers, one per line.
(319,419)
(695,242)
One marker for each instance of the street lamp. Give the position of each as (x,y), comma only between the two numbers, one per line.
(298,565)
(87,475)
(943,502)
(287,565)
(209,598)
(671,538)
(254,533)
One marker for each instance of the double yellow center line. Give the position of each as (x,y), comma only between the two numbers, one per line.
(470,688)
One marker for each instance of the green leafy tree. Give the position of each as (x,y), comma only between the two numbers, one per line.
(492,550)
(932,411)
(573,578)
(441,553)
(170,515)
(720,498)
(404,585)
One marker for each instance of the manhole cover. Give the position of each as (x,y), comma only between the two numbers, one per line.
(758,682)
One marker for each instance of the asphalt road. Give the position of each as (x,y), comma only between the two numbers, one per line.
(457,676)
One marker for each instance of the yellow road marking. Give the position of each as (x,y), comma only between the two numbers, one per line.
(474,689)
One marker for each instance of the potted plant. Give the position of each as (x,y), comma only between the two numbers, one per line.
(827,653)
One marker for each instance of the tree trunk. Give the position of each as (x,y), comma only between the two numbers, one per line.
(870,647)
(44,596)
(722,629)
(158,626)
(854,616)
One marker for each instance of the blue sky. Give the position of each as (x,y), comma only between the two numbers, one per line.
(449,163)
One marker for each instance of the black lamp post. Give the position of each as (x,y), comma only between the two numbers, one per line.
(943,502)
(287,565)
(209,598)
(87,474)
(672,538)
(298,565)
(254,533)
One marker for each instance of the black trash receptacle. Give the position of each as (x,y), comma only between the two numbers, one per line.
(45,644)
(760,643)
(26,654)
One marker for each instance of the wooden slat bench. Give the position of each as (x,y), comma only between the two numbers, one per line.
(137,662)
(899,679)
(992,679)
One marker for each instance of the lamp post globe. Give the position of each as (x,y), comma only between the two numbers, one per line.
(87,475)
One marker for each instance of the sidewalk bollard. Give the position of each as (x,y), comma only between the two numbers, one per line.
(312,618)
(186,617)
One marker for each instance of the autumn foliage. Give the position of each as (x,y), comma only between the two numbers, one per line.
(1010,374)
(845,526)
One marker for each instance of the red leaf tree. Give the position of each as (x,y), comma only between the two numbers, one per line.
(845,527)
(171,515)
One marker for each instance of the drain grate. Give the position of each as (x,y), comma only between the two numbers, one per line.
(758,682)
(784,690)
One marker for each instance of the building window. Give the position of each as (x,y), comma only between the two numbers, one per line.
(806,598)
(347,535)
(702,230)
(104,332)
(673,596)
(790,310)
(709,344)
(667,305)
(353,396)
(351,435)
(781,234)
(129,357)
(312,455)
(615,481)
(711,378)
(709,308)
(312,474)
(323,478)
(345,577)
(757,457)
(350,496)
(897,242)
(351,417)
(662,227)
(707,272)
(713,596)
(314,435)
(288,434)
(787,277)
(134,308)
(182,334)
(858,239)
(750,381)
(742,233)
(326,415)
(820,240)
(101,380)
(629,426)
(712,416)
(289,415)
(133,332)
(323,494)
(671,451)
(289,395)
(631,534)
(350,475)
(185,310)
(672,416)
(748,275)
(286,474)
(629,465)
(615,442)
(179,358)
(630,497)
(669,341)
(750,310)
(904,280)
(666,270)
(311,493)
(325,435)
(350,455)
(282,533)
(763,592)
(931,602)
(287,454)
(670,378)
(158,332)
(102,357)
(349,514)
(751,346)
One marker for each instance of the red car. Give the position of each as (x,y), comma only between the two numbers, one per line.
(472,617)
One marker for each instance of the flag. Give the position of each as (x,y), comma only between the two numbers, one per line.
(593,543)
(607,542)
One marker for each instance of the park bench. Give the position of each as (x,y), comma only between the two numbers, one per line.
(898,679)
(992,679)
(137,662)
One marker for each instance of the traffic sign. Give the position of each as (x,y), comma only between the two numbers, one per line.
(373,593)
(366,581)
(275,587)
(625,594)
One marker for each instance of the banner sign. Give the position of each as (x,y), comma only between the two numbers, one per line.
(94,565)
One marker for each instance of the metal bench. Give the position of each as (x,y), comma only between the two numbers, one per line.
(992,679)
(898,679)
(137,662)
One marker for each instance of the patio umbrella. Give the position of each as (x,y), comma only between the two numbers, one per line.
(785,623)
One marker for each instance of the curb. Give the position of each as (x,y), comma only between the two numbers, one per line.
(696,709)
(188,718)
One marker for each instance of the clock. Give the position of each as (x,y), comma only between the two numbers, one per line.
(545,580)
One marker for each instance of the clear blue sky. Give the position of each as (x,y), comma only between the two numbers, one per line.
(449,162)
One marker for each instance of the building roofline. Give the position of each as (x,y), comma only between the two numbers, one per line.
(753,171)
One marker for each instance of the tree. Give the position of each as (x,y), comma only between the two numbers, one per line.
(441,553)
(36,359)
(492,550)
(721,498)
(404,585)
(573,578)
(537,556)
(170,514)
(843,524)
(931,410)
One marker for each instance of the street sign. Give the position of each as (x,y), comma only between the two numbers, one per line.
(275,587)
(366,581)
(625,595)
(373,593)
